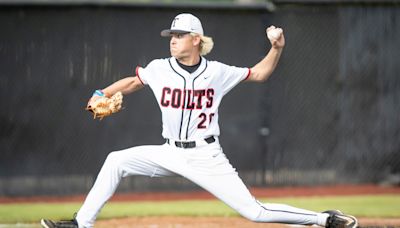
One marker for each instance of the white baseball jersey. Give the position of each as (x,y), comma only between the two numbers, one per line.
(189,101)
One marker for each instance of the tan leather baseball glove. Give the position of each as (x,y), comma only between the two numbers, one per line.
(105,106)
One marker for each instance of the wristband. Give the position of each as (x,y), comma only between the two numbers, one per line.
(98,93)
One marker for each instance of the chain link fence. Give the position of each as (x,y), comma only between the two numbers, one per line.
(328,115)
(334,108)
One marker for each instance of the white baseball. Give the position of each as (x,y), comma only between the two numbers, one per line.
(274,34)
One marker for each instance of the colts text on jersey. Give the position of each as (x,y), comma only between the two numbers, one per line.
(176,98)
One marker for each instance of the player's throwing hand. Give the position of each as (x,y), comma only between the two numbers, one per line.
(275,36)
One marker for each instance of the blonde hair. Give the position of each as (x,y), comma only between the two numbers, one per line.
(206,44)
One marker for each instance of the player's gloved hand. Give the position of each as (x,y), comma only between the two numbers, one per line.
(101,105)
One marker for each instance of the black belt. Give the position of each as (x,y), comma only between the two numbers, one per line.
(191,144)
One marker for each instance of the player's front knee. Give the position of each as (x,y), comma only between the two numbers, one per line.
(114,163)
(113,158)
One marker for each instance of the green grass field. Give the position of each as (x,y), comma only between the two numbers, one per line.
(384,206)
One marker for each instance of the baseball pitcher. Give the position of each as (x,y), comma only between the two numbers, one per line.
(189,89)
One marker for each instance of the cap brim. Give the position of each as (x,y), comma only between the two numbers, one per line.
(168,32)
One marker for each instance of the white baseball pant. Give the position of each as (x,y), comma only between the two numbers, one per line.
(205,165)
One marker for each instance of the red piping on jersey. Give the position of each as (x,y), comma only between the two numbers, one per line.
(137,74)
(248,75)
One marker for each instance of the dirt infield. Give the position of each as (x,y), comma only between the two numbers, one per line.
(215,222)
(181,222)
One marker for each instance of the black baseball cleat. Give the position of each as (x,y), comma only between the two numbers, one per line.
(337,219)
(47,223)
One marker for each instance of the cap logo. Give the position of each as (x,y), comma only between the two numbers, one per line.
(173,23)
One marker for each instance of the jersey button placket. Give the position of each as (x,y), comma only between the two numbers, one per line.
(186,112)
